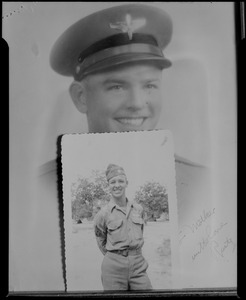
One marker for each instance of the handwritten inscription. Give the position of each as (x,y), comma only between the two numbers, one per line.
(208,239)
(220,249)
(204,237)
(200,221)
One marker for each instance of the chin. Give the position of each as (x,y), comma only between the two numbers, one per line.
(117,196)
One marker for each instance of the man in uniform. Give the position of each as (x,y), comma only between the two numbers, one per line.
(116,59)
(119,234)
(117,67)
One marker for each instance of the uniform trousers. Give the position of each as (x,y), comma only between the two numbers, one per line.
(125,273)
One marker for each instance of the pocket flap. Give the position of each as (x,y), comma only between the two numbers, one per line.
(137,220)
(112,225)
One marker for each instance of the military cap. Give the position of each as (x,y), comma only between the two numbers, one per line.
(111,37)
(114,170)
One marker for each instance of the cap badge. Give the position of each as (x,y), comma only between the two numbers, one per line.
(129,25)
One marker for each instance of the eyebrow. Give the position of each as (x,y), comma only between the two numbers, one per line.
(112,80)
(151,80)
(122,81)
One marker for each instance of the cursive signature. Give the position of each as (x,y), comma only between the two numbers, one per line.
(209,240)
(220,249)
(193,227)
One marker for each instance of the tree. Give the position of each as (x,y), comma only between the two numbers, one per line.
(89,195)
(153,198)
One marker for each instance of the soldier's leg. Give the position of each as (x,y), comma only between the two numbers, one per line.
(115,270)
(138,279)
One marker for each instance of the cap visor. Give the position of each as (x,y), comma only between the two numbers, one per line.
(120,60)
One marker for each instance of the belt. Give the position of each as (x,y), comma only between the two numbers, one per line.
(127,252)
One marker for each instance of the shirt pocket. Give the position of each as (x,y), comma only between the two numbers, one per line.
(137,224)
(115,231)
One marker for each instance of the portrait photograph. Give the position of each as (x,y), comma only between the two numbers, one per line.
(118,73)
(88,163)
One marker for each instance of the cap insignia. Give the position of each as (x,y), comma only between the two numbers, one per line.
(129,25)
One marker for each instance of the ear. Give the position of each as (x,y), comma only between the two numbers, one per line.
(77,93)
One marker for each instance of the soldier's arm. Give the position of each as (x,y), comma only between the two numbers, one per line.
(142,214)
(100,231)
(143,217)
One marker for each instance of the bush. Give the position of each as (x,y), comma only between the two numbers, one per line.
(154,200)
(89,195)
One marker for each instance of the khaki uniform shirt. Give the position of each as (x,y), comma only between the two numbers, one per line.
(117,229)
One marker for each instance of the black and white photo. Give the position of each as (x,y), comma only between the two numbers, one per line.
(114,67)
(121,230)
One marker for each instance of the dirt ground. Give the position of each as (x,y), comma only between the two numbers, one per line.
(84,263)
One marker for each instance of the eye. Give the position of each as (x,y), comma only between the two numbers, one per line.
(115,87)
(151,86)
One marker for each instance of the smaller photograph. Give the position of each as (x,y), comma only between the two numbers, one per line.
(120,211)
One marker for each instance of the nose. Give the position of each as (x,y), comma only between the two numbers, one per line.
(136,99)
(117,184)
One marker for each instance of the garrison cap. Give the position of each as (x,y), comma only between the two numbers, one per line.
(114,170)
(111,37)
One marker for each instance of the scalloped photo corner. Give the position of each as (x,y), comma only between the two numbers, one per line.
(147,159)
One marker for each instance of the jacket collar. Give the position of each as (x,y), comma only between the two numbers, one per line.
(113,205)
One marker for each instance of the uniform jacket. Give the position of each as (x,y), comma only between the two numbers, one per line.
(117,229)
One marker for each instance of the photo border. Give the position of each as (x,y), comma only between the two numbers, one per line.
(240,28)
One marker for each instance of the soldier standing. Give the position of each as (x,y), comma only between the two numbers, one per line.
(119,234)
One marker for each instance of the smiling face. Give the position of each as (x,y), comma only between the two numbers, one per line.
(123,99)
(117,186)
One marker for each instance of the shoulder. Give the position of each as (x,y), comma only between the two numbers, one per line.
(189,172)
(48,168)
(186,162)
(49,176)
(193,186)
(137,206)
(102,214)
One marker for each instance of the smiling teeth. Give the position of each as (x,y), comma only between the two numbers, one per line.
(129,121)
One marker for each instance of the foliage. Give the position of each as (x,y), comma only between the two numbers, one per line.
(154,200)
(89,195)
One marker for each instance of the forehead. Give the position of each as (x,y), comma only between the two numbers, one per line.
(146,71)
(118,177)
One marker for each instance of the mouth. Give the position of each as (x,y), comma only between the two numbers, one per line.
(132,121)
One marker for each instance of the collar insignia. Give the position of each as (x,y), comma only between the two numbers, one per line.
(128,25)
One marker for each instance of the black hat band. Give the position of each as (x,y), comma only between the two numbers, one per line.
(120,50)
(115,41)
